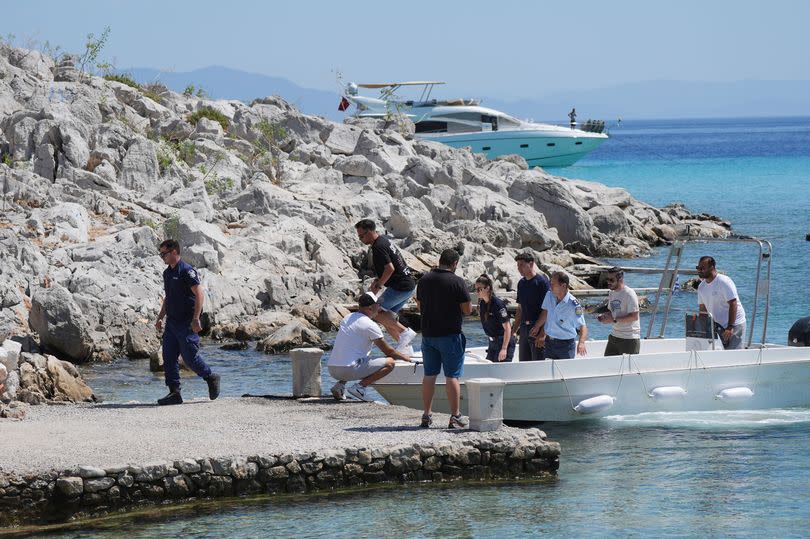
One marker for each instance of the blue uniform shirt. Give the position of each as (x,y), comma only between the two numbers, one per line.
(496,315)
(177,283)
(564,318)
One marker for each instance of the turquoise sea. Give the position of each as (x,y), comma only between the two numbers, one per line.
(700,474)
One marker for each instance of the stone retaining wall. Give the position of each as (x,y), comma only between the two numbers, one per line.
(88,491)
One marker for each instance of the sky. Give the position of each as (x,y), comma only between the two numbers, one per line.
(508,48)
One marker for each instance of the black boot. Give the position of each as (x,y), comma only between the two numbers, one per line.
(213,386)
(173,397)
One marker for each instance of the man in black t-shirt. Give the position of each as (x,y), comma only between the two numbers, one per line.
(531,291)
(393,274)
(443,300)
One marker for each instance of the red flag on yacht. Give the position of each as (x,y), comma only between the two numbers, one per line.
(344,104)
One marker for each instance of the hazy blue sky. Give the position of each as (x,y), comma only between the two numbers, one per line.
(504,48)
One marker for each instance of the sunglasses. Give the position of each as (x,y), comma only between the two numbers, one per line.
(611,280)
(163,254)
(479,289)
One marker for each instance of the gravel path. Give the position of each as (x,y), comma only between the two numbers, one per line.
(105,435)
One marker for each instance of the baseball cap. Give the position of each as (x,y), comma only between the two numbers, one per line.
(367,299)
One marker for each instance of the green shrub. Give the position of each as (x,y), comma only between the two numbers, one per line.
(211,114)
(7,160)
(123,79)
(171,227)
(154,91)
(186,151)
(189,91)
(216,185)
(164,160)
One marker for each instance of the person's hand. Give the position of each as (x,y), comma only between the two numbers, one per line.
(159,325)
(534,331)
(196,327)
(581,349)
(727,333)
(502,355)
(540,340)
(605,318)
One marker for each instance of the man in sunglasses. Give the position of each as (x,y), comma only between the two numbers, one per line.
(622,304)
(182,307)
(717,295)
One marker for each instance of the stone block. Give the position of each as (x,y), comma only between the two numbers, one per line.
(485,403)
(306,366)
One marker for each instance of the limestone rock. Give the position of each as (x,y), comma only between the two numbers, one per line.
(296,334)
(59,321)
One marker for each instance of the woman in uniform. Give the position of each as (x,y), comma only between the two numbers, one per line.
(495,321)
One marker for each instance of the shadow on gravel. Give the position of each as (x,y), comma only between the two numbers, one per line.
(401,429)
(125,405)
(323,399)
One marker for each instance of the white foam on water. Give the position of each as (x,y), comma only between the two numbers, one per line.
(724,418)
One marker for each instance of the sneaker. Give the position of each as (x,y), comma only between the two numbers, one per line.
(457,422)
(213,386)
(427,421)
(405,338)
(173,397)
(359,392)
(406,350)
(338,391)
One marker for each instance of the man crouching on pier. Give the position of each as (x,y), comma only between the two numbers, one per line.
(181,307)
(349,358)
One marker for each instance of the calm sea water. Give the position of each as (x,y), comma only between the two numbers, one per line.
(698,474)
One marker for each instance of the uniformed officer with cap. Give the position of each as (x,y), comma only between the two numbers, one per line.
(182,307)
(563,317)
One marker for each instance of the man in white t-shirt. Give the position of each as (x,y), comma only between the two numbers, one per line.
(717,295)
(349,359)
(625,337)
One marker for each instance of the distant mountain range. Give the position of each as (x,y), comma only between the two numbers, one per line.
(637,100)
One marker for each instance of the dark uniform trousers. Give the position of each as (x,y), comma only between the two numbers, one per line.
(179,340)
(527,351)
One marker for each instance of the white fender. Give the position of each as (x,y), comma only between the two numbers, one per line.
(735,394)
(667,393)
(596,404)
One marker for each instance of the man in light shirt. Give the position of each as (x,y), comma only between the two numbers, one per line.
(349,359)
(625,337)
(717,295)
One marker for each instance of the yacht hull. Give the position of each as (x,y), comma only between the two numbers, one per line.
(541,149)
(658,381)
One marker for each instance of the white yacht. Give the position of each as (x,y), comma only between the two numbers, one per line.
(464,122)
(693,373)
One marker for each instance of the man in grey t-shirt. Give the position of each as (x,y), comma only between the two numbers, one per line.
(625,337)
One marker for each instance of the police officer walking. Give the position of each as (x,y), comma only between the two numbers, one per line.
(563,318)
(182,307)
(495,321)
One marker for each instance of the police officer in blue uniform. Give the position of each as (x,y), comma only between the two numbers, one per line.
(182,307)
(495,321)
(563,317)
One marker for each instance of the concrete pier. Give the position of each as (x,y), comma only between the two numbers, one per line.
(89,460)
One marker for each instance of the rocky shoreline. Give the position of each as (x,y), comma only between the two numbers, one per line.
(95,172)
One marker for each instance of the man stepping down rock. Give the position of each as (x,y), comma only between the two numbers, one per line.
(349,358)
(181,306)
(393,274)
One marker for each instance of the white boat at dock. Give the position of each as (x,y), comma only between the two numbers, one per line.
(465,123)
(668,375)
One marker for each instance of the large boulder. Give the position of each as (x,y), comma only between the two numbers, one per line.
(64,222)
(140,170)
(293,335)
(61,326)
(610,220)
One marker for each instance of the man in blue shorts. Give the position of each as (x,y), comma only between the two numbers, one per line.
(443,300)
(393,274)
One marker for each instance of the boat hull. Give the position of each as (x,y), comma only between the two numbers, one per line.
(543,149)
(774,377)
